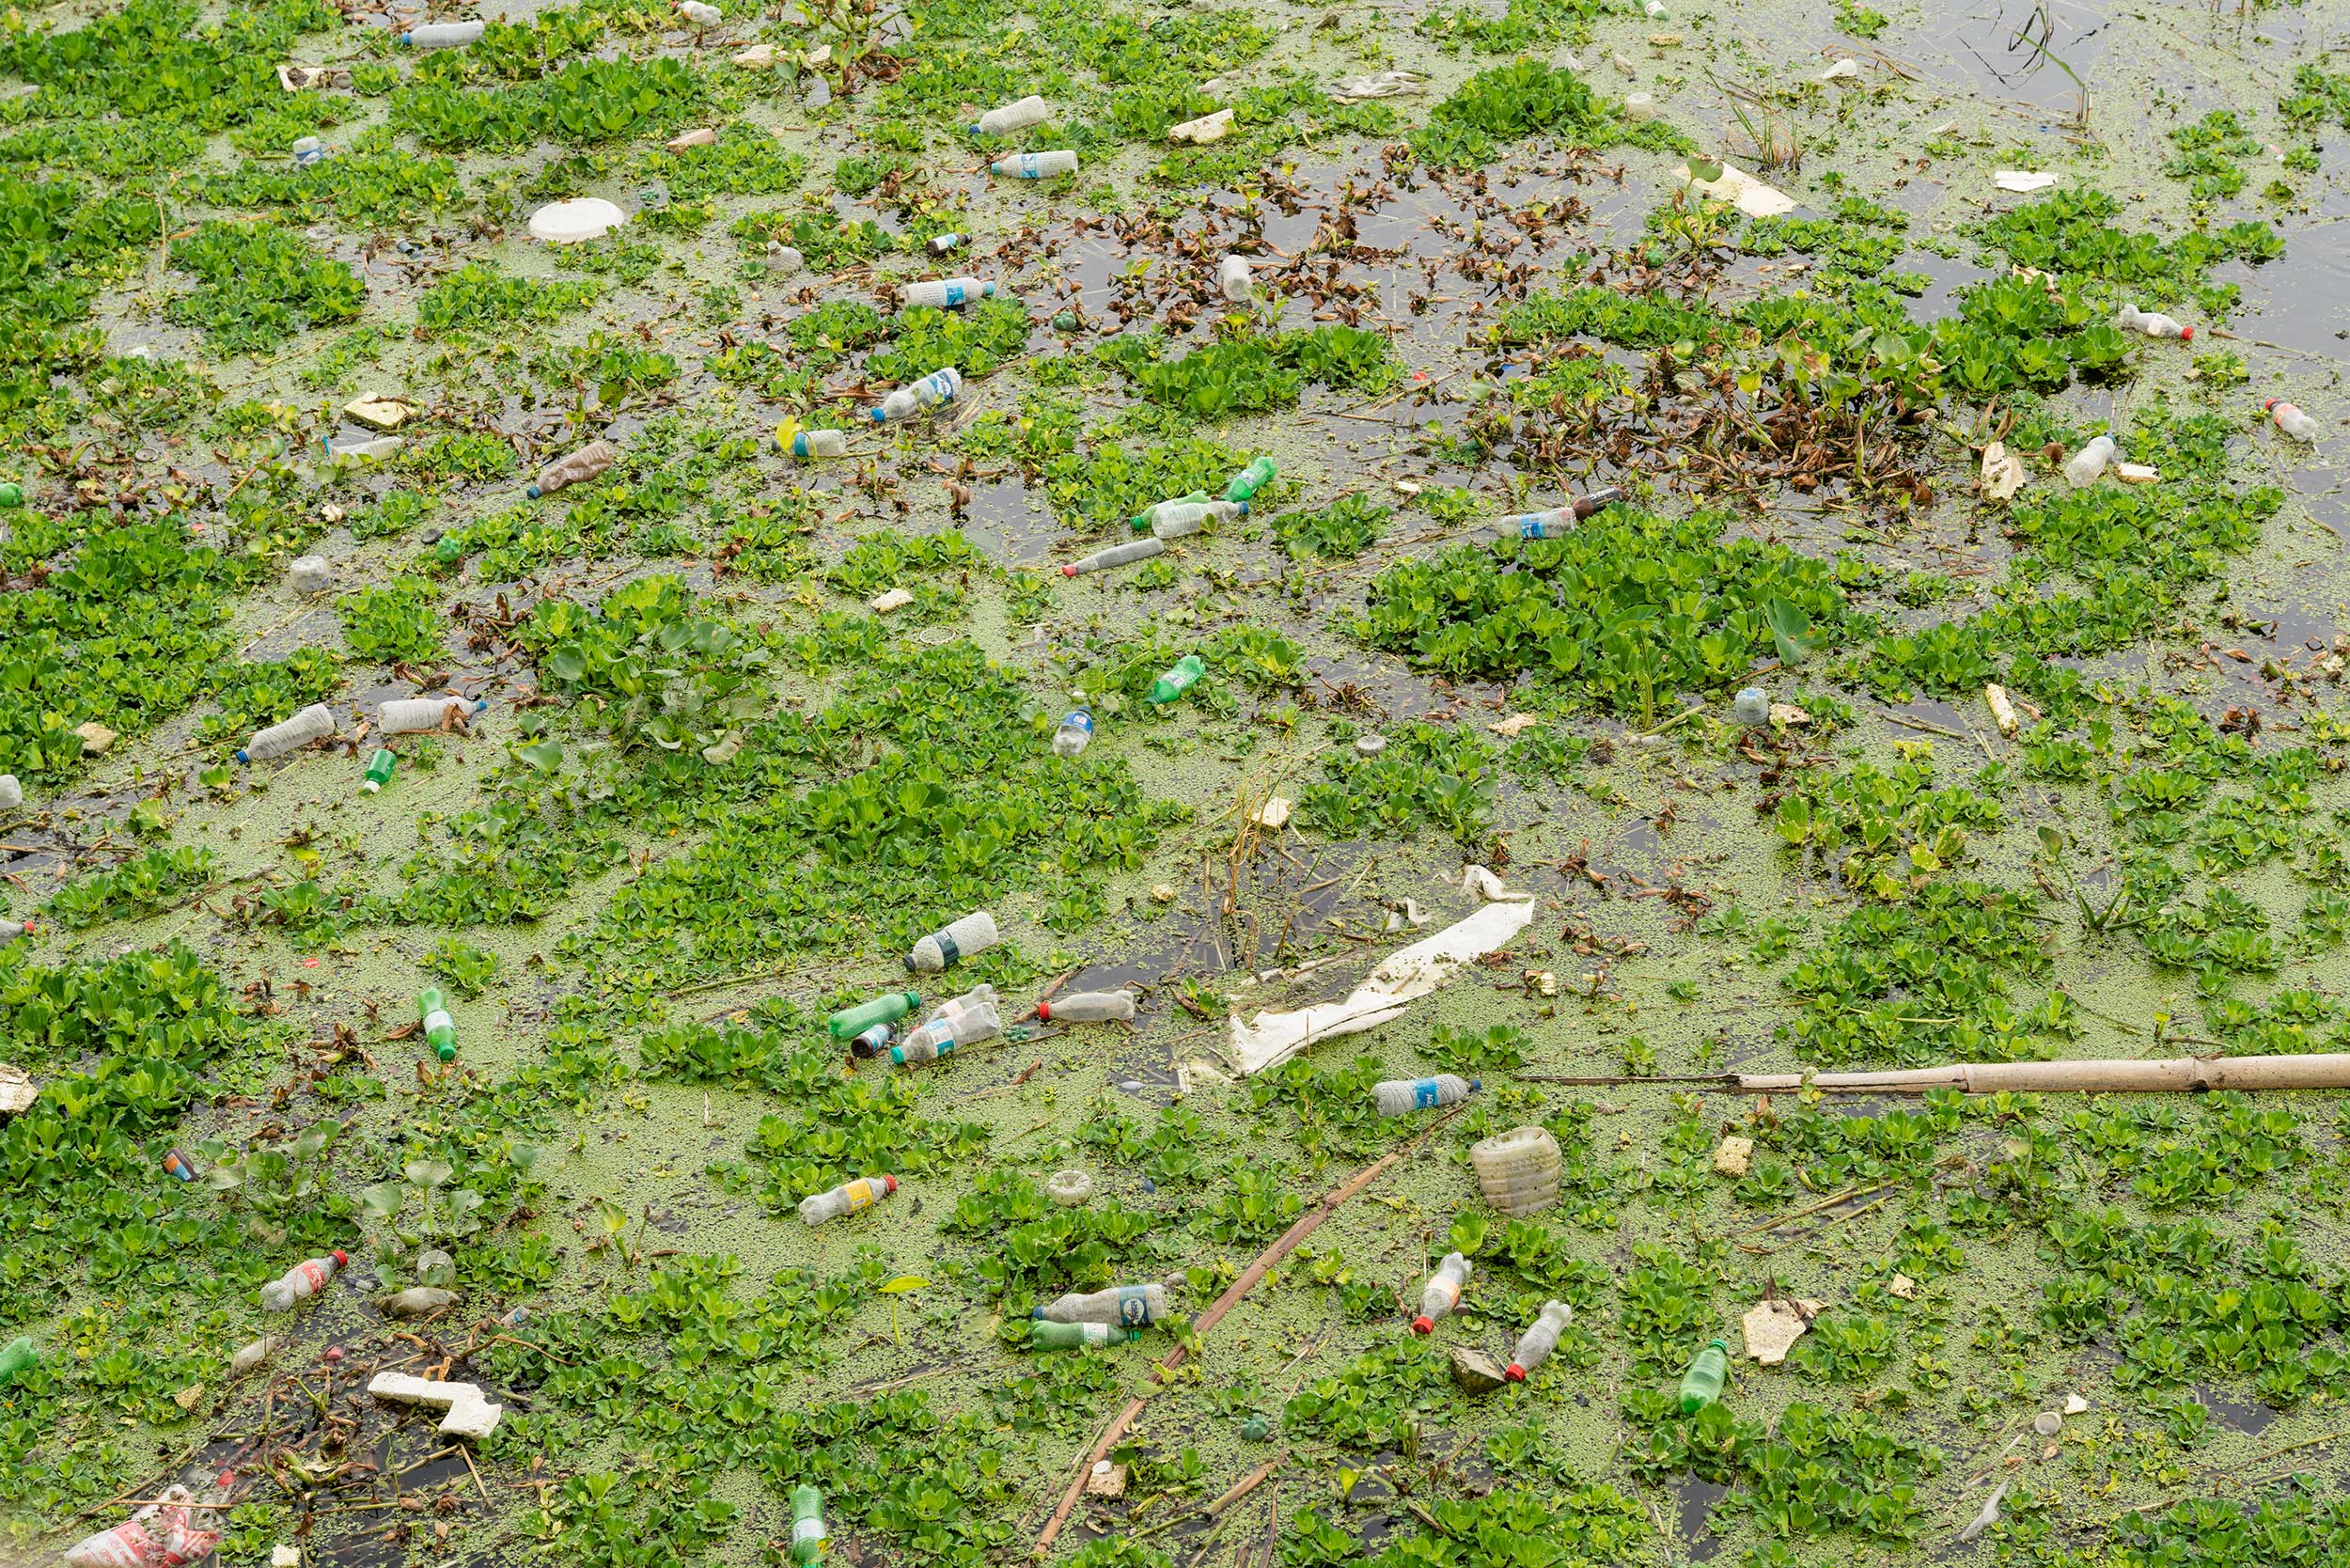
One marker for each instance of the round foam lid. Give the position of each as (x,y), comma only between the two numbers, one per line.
(569,222)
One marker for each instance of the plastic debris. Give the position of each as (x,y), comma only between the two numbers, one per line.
(1515,725)
(575,468)
(933,391)
(849,1198)
(308,575)
(17,1089)
(285,1557)
(2290,419)
(2047,1423)
(1131,1306)
(12,792)
(305,1279)
(256,1355)
(440,1029)
(1116,554)
(302,78)
(345,454)
(443,35)
(1016,116)
(701,135)
(2002,709)
(1070,1189)
(809,1533)
(812,444)
(1244,484)
(945,245)
(1561,520)
(1732,1156)
(469,1414)
(314,723)
(944,293)
(1088,1007)
(2083,466)
(1517,1170)
(1402,1096)
(177,1165)
(1703,1384)
(1073,734)
(411,714)
(951,1028)
(1370,746)
(2136,472)
(1442,1293)
(1078,1336)
(2002,473)
(418,1301)
(1845,70)
(167,1533)
(2022,182)
(1536,1343)
(1035,165)
(1201,132)
(700,13)
(435,1267)
(943,949)
(1177,680)
(1274,814)
(2151,324)
(17,1357)
(1233,280)
(1902,1288)
(1385,83)
(1105,1479)
(1772,1327)
(1990,1515)
(887,1008)
(2076,1405)
(96,738)
(1639,107)
(308,150)
(1744,191)
(1751,707)
(872,1042)
(1179,519)
(893,599)
(12,930)
(569,223)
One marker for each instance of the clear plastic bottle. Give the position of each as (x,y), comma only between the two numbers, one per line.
(935,390)
(1016,116)
(981,994)
(1703,1384)
(1559,520)
(416,1301)
(849,1198)
(1517,1170)
(782,259)
(818,444)
(1234,280)
(2151,324)
(2291,421)
(1035,165)
(1442,1293)
(435,1267)
(1751,707)
(943,949)
(12,792)
(17,1357)
(888,1008)
(1077,1336)
(256,1355)
(1141,522)
(1073,734)
(584,464)
(945,245)
(699,13)
(440,1031)
(1536,1343)
(2083,466)
(943,1034)
(308,575)
(303,1280)
(308,150)
(1179,679)
(1400,1096)
(1121,1306)
(314,723)
(1116,554)
(944,293)
(1088,1007)
(1176,519)
(443,35)
(1244,484)
(12,930)
(809,1533)
(374,450)
(409,715)
(872,1042)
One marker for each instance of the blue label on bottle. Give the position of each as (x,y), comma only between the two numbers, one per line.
(1079,719)
(956,294)
(1425,1092)
(1134,1305)
(1530,526)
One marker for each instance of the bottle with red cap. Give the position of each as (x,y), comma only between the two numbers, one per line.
(1536,1343)
(1442,1293)
(1088,1007)
(2153,323)
(2291,419)
(306,1278)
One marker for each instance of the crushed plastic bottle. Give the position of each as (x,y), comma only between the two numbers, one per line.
(1400,1096)
(935,390)
(1090,1006)
(444,35)
(168,1532)
(1073,734)
(2083,466)
(1121,1306)
(1178,519)
(1077,1336)
(177,1165)
(944,293)
(17,1357)
(1751,707)
(435,1267)
(1035,165)
(416,1301)
(256,1355)
(1016,116)
(308,150)
(584,464)
(379,771)
(440,1031)
(1536,1343)
(849,1198)
(1517,1170)
(314,723)
(1116,554)
(1244,484)
(2291,421)
(888,1008)
(1559,520)
(817,444)
(1176,680)
(409,715)
(943,949)
(943,1034)
(1442,1293)
(373,449)
(808,1534)
(782,259)
(305,1279)
(1701,1385)
(2153,323)
(1234,280)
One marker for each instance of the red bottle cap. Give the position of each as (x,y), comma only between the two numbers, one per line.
(1044,1012)
(342,1259)
(2186,334)
(1423,1324)
(889,1184)
(1514,1372)
(1069,572)
(2270,403)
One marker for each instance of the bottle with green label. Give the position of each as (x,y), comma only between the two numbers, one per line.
(379,771)
(1176,682)
(1076,1335)
(1701,1385)
(12,495)
(17,1357)
(1250,479)
(440,1031)
(807,1524)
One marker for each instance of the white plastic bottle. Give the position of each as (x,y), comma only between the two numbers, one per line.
(308,150)
(818,444)
(783,259)
(699,13)
(1536,1343)
(12,792)
(1517,1170)
(314,723)
(1177,518)
(2153,323)
(1035,165)
(1400,1096)
(1560,521)
(2083,466)
(1073,734)
(256,1354)
(443,35)
(2291,421)
(1130,1305)
(411,714)
(1088,1007)
(1116,554)
(849,1198)
(935,390)
(305,1279)
(584,464)
(1234,278)
(944,293)
(942,949)
(1442,1293)
(1015,116)
(12,930)
(943,1034)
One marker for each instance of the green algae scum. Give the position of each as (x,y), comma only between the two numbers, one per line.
(558,335)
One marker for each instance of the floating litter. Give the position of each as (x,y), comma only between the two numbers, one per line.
(566,223)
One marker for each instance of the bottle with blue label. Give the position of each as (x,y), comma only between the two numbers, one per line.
(1125,1306)
(935,390)
(1400,1096)
(943,1033)
(1035,165)
(1560,519)
(1074,733)
(944,293)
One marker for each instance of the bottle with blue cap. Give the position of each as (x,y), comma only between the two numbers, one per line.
(935,390)
(1074,733)
(943,1034)
(944,293)
(314,723)
(1400,1096)
(443,35)
(584,464)
(813,444)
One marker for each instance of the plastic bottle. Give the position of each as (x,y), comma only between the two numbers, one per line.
(935,390)
(1141,521)
(849,1198)
(872,1042)
(17,1357)
(308,575)
(303,1279)
(1442,1293)
(12,495)
(1076,1335)
(12,792)
(1088,1007)
(945,245)
(2084,466)
(379,771)
(808,1534)
(699,13)
(1176,519)
(2153,323)
(1399,1096)
(1175,681)
(1701,1385)
(308,150)
(1244,484)
(1035,165)
(435,1267)
(782,258)
(1127,1306)
(1654,10)
(1558,520)
(1517,1170)
(1073,734)
(943,1033)
(944,293)
(1116,554)
(167,1533)
(979,995)
(586,463)
(314,723)
(410,715)
(12,930)
(1536,1343)
(256,1354)
(942,949)
(443,35)
(2291,421)
(440,1031)
(177,1165)
(1015,116)
(818,444)
(888,1008)
(1232,279)
(1751,707)
(1069,1189)
(418,1301)
(374,450)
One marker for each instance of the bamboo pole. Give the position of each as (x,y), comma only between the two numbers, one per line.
(2111,1076)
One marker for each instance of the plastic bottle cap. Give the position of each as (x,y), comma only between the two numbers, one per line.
(367,787)
(243,758)
(2270,403)
(2186,334)
(342,1259)
(1069,572)
(1514,1372)
(1044,1013)
(1423,1324)
(407,39)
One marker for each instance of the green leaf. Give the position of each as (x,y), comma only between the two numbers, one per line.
(1791,628)
(903,1283)
(546,756)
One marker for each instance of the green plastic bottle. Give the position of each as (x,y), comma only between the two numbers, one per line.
(1176,682)
(1250,479)
(379,771)
(888,1008)
(12,495)
(1076,1335)
(807,1524)
(1701,1385)
(17,1357)
(439,1029)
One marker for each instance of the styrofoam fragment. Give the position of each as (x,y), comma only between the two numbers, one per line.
(469,1415)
